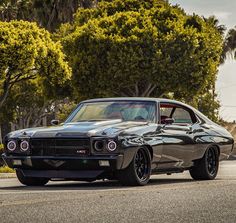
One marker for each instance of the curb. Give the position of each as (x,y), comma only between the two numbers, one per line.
(232,157)
(7,175)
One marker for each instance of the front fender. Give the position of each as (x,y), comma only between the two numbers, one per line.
(129,153)
(130,144)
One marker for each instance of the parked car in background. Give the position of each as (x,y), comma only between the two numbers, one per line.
(120,138)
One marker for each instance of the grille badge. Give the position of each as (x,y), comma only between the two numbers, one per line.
(81,151)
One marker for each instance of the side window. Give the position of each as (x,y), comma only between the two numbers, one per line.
(166,111)
(181,115)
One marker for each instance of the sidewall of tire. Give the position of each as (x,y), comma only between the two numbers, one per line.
(200,170)
(217,164)
(149,167)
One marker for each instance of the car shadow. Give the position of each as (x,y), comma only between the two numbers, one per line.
(97,185)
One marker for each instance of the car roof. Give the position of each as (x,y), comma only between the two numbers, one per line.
(132,99)
(163,100)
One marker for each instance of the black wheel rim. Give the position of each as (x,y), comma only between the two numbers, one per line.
(211,161)
(142,165)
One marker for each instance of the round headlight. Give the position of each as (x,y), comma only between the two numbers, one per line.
(98,145)
(24,145)
(111,146)
(11,145)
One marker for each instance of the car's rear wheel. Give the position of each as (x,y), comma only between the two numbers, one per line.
(139,171)
(30,181)
(207,167)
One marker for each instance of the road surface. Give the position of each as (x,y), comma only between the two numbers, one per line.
(175,198)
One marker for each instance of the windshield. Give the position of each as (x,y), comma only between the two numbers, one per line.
(126,111)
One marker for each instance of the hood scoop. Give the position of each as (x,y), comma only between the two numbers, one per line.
(44,134)
(58,134)
(71,134)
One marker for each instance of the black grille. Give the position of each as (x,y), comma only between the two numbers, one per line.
(60,147)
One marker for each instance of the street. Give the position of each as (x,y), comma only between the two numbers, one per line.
(175,198)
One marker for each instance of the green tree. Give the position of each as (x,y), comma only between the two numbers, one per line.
(209,105)
(230,44)
(24,113)
(47,13)
(140,48)
(16,9)
(64,108)
(26,106)
(28,53)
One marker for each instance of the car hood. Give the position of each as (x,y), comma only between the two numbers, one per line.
(85,128)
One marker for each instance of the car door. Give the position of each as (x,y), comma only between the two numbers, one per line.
(177,137)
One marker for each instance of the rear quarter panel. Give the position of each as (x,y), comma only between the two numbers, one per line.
(218,136)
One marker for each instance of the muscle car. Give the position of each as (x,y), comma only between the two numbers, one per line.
(126,139)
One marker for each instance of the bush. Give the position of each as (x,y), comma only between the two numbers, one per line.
(1,148)
(6,169)
(3,168)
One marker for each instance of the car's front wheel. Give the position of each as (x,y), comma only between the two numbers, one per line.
(207,167)
(30,181)
(139,171)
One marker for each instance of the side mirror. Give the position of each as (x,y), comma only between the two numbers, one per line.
(55,122)
(168,121)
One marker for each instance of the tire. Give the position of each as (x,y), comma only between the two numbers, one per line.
(30,181)
(207,167)
(139,170)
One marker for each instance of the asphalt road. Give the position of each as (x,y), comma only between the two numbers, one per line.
(174,198)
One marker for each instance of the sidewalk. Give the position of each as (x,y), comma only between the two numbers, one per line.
(7,175)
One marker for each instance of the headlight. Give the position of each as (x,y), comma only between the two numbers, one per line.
(98,145)
(24,145)
(111,146)
(11,145)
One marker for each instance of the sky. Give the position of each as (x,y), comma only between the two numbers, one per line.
(225,12)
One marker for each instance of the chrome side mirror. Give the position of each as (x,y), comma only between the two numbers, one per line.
(168,121)
(55,122)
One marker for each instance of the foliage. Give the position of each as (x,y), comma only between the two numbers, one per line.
(28,53)
(6,169)
(47,13)
(209,105)
(140,48)
(1,148)
(64,108)
(230,44)
(26,113)
(15,9)
(213,21)
(121,48)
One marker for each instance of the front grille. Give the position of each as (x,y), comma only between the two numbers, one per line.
(60,147)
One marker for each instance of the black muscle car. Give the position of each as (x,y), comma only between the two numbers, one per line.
(120,138)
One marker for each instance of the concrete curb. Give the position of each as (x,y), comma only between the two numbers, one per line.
(232,157)
(7,175)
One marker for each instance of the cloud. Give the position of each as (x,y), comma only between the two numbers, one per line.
(222,15)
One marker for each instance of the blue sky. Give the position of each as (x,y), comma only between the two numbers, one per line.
(225,11)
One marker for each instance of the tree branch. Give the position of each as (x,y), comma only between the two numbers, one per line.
(147,90)
(151,90)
